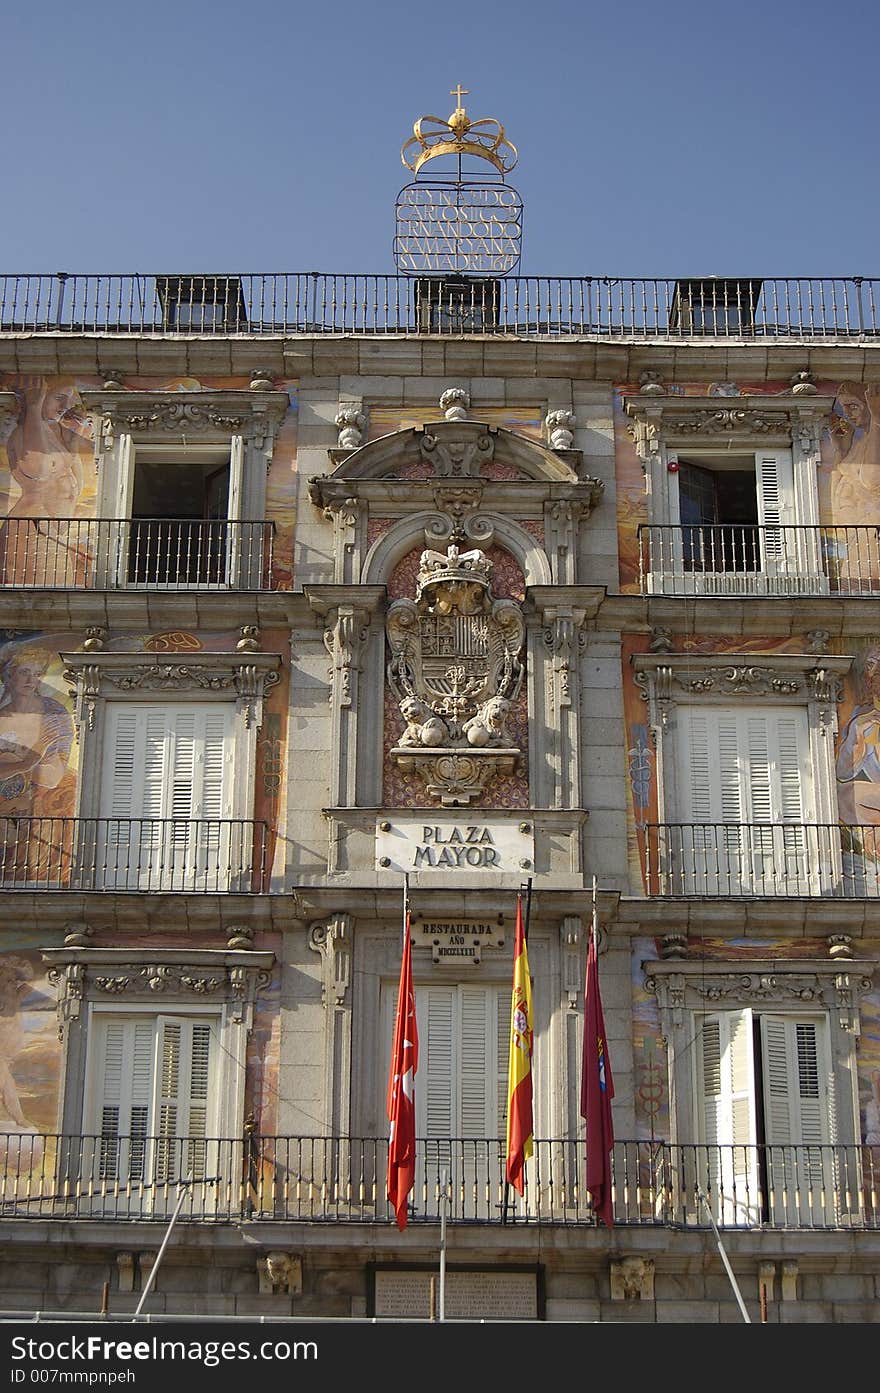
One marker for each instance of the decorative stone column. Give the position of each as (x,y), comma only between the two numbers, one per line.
(332,938)
(347,613)
(564,639)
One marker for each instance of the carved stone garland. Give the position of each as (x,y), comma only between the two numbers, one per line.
(455,668)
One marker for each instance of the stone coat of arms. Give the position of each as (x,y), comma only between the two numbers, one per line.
(456,666)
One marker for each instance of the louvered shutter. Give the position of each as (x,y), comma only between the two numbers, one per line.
(798,1115)
(165,793)
(775,487)
(477,1062)
(727,1084)
(435,1079)
(182,1098)
(747,770)
(780,542)
(124,1090)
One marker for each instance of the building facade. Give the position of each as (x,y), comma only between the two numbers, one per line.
(313,587)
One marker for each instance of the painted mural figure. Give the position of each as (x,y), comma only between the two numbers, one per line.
(36,738)
(858,763)
(855,487)
(15,974)
(45,463)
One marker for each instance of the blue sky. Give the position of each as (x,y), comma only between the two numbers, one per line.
(654,139)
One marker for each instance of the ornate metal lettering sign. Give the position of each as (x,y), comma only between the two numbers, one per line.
(455,668)
(466,228)
(459,223)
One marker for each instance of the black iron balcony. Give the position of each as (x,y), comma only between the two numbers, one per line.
(162,855)
(342,1180)
(762,859)
(135,553)
(748,559)
(750,308)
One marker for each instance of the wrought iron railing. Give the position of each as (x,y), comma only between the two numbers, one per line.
(318,303)
(761,859)
(191,855)
(135,553)
(342,1180)
(748,559)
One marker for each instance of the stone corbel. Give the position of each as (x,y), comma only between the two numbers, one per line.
(565,640)
(69,982)
(345,641)
(848,989)
(332,938)
(632,1279)
(571,934)
(669,990)
(645,431)
(251,685)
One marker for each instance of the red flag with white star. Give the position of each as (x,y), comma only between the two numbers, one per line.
(401,1102)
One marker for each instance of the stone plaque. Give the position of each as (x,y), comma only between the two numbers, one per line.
(450,940)
(454,845)
(489,1295)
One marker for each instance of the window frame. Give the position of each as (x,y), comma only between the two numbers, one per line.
(240,425)
(824,989)
(100,679)
(190,982)
(662,426)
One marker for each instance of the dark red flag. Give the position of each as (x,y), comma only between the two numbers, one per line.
(597,1090)
(401,1102)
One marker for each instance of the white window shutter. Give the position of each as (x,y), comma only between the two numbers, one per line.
(775,488)
(124,1096)
(802,1166)
(729,1167)
(168,762)
(236,477)
(727,1079)
(462,1081)
(796,1083)
(182,1097)
(435,1078)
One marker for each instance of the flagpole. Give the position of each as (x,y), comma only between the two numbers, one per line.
(444,1195)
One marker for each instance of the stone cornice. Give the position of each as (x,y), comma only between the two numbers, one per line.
(231,977)
(704,676)
(244,676)
(401,496)
(803,984)
(205,413)
(327,599)
(746,420)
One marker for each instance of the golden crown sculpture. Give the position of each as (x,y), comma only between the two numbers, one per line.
(433,136)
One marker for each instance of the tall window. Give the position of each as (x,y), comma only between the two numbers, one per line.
(744,795)
(165,796)
(149,1115)
(765,1112)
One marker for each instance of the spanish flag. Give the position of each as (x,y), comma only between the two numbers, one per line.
(520,1126)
